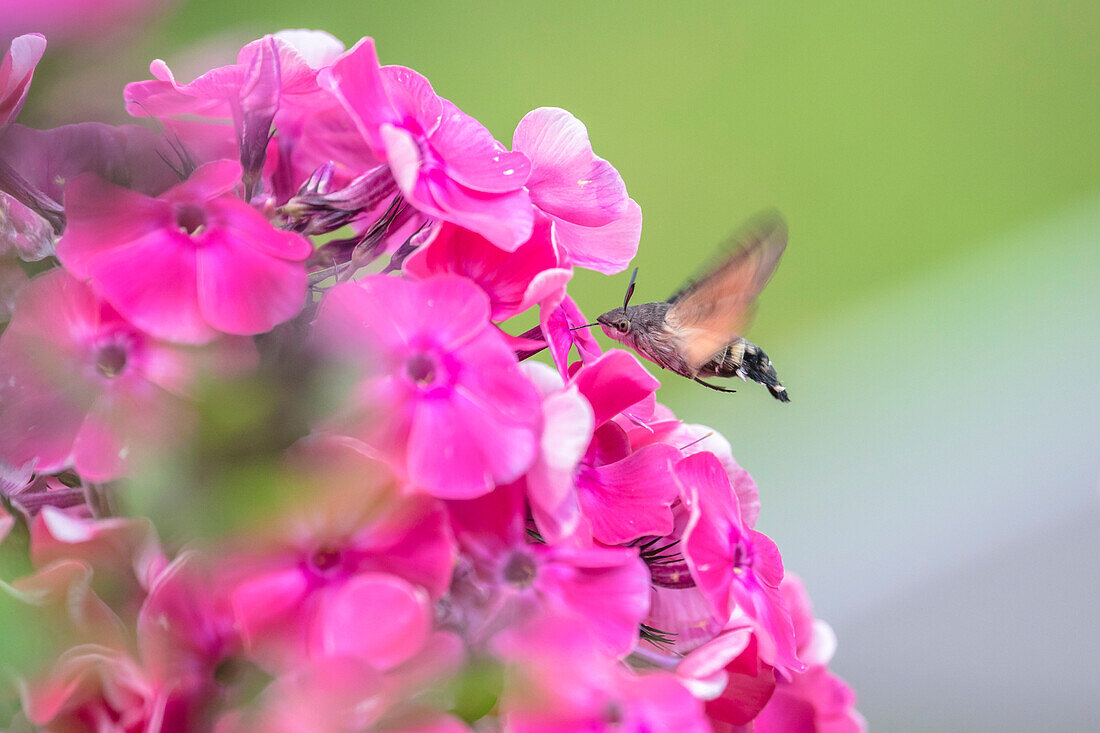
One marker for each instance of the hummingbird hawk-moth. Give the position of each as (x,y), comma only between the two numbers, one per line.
(696,332)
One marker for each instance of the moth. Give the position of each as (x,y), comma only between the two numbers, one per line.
(696,332)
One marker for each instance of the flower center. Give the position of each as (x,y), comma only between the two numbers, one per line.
(325,559)
(421,369)
(110,360)
(520,570)
(190,218)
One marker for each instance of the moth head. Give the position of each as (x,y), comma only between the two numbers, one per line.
(615,323)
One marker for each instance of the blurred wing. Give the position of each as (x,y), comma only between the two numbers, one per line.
(712,309)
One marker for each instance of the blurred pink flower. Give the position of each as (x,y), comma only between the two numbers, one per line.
(606,589)
(736,568)
(445,162)
(73,20)
(558,680)
(356,547)
(82,387)
(272,83)
(594,221)
(188,264)
(98,688)
(444,399)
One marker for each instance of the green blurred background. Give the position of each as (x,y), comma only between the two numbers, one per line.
(935,318)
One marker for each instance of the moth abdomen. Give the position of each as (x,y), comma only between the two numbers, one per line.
(742,358)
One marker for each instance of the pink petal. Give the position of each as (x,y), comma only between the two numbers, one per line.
(614,382)
(16,71)
(376,617)
(269,601)
(356,80)
(567,179)
(608,248)
(316,48)
(241,289)
(473,158)
(152,281)
(557,323)
(101,217)
(607,587)
(417,106)
(630,498)
(458,449)
(207,182)
(567,428)
(7,521)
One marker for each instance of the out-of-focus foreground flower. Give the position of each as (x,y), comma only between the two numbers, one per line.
(271,456)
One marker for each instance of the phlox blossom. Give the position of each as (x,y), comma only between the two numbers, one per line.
(605,588)
(440,394)
(82,387)
(737,569)
(191,263)
(594,221)
(445,162)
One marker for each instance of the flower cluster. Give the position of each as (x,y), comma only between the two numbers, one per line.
(467,539)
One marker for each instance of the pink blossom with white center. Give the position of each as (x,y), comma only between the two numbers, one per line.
(186,265)
(736,568)
(445,162)
(82,387)
(606,589)
(441,395)
(514,281)
(594,221)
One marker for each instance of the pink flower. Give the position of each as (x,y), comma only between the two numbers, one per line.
(77,21)
(445,162)
(270,73)
(815,700)
(16,71)
(736,568)
(559,325)
(350,573)
(188,264)
(558,680)
(83,387)
(622,494)
(91,685)
(444,399)
(514,281)
(594,221)
(606,589)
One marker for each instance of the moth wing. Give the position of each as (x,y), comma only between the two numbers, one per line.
(713,308)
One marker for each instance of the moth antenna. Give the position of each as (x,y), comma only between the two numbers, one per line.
(630,288)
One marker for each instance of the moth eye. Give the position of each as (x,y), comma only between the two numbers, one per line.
(623,326)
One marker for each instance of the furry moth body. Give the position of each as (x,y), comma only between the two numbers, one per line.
(695,333)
